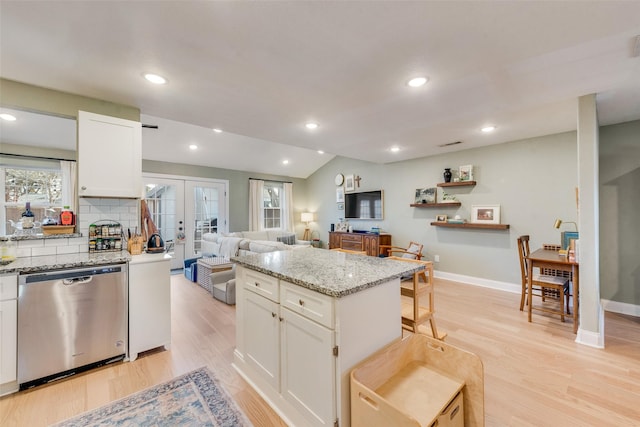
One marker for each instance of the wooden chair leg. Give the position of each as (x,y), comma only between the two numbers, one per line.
(524,290)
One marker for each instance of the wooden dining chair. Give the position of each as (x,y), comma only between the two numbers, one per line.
(413,251)
(543,285)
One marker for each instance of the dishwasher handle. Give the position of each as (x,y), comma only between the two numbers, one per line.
(77,280)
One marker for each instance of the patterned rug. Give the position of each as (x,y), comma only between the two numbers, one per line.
(193,399)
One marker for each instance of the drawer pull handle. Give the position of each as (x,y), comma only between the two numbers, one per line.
(273,314)
(301,302)
(369,401)
(454,412)
(257,284)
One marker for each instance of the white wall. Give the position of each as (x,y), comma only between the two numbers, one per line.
(533,180)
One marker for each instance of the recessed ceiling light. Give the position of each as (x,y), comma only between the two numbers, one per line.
(193,147)
(7,117)
(154,78)
(285,162)
(417,81)
(394,149)
(216,130)
(320,152)
(311,125)
(487,129)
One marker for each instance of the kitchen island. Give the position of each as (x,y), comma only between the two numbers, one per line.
(305,318)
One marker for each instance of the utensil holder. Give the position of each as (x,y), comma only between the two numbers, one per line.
(134,245)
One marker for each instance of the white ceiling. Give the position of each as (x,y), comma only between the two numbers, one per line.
(260,70)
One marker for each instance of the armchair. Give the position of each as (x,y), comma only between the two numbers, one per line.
(191,269)
(223,285)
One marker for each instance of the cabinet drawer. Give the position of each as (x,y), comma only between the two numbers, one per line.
(262,284)
(351,238)
(8,287)
(310,304)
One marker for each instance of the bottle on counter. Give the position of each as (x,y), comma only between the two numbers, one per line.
(67,217)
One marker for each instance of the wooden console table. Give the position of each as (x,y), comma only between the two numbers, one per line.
(362,242)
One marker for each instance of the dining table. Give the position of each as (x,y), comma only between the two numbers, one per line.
(552,259)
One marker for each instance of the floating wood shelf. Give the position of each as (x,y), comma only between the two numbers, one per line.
(472,225)
(457,184)
(436,205)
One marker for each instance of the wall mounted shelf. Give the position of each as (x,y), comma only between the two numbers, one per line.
(457,184)
(472,225)
(436,205)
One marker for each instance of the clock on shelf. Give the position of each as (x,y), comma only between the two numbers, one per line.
(339,179)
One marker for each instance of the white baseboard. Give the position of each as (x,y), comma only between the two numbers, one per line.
(620,307)
(476,281)
(589,338)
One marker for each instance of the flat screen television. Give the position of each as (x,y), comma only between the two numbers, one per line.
(364,205)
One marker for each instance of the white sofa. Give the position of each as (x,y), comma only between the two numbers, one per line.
(223,284)
(250,242)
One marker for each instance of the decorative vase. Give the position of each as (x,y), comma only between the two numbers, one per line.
(447,175)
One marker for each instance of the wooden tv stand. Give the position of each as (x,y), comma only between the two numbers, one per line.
(367,242)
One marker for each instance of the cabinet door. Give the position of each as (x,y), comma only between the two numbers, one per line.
(334,240)
(308,368)
(8,340)
(262,336)
(109,156)
(371,245)
(149,305)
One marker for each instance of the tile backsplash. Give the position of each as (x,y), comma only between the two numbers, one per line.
(124,211)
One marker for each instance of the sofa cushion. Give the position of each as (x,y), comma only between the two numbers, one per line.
(255,235)
(288,239)
(263,246)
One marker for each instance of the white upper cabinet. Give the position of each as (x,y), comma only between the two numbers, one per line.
(109,156)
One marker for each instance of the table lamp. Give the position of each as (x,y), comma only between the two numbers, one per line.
(306,217)
(559,222)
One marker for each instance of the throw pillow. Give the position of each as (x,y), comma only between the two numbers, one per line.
(289,239)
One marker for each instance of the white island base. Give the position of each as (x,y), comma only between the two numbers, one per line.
(296,347)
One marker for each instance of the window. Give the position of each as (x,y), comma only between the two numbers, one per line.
(271,198)
(42,187)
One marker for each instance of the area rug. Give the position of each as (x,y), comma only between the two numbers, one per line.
(193,399)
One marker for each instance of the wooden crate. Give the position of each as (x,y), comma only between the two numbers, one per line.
(57,229)
(418,382)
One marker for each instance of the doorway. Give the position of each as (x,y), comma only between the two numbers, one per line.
(184,209)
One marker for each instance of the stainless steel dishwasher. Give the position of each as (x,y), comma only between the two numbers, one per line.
(70,321)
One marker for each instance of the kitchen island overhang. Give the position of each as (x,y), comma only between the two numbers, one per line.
(305,318)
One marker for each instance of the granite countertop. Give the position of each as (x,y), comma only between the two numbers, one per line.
(332,273)
(57,262)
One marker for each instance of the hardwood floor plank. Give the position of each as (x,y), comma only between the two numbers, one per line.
(535,373)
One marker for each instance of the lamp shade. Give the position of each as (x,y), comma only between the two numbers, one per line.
(307,217)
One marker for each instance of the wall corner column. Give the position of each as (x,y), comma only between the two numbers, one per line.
(591,314)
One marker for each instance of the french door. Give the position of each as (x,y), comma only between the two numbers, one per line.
(183,210)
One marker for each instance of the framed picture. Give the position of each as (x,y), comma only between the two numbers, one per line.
(441,218)
(425,195)
(340,195)
(349,183)
(485,214)
(340,206)
(567,237)
(465,173)
(342,226)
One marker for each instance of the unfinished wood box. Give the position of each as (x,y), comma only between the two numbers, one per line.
(418,382)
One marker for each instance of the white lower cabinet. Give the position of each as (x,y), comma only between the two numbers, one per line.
(262,351)
(8,334)
(149,303)
(307,358)
(288,347)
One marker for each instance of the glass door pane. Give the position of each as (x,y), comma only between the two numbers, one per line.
(206,209)
(165,200)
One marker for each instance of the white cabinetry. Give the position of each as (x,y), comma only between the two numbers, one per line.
(8,333)
(149,303)
(297,346)
(109,156)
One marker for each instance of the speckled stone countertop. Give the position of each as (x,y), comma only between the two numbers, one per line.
(38,236)
(332,273)
(56,262)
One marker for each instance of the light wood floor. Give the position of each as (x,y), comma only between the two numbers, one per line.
(535,374)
